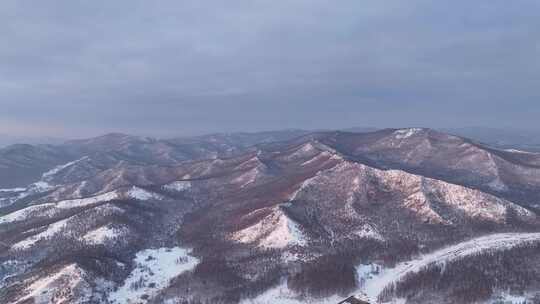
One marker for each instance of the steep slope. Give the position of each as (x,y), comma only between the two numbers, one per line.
(510,174)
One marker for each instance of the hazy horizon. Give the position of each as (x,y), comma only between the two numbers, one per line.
(177,68)
(473,132)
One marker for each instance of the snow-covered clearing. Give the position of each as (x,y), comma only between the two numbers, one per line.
(154,268)
(374,283)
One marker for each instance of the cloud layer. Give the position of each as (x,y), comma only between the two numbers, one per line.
(77,68)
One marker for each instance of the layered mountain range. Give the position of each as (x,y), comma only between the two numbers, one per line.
(392,216)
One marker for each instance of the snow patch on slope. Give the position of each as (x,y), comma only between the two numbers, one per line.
(52,209)
(304,149)
(507,298)
(103,235)
(154,269)
(47,175)
(301,152)
(142,195)
(276,230)
(367,231)
(316,158)
(10,269)
(178,186)
(39,187)
(63,286)
(248,177)
(22,214)
(477,204)
(81,202)
(303,186)
(498,185)
(16,194)
(521,151)
(9,196)
(406,133)
(419,204)
(48,233)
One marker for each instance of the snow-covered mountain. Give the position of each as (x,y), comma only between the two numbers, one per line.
(396,216)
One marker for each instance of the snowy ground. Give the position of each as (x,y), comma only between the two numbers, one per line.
(153,271)
(507,298)
(281,294)
(375,282)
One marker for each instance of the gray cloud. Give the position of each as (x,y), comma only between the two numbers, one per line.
(78,68)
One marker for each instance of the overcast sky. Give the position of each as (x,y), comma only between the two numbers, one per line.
(81,68)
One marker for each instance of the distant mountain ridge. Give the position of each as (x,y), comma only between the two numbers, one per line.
(7,140)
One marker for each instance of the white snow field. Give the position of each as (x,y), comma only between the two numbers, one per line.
(154,268)
(281,294)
